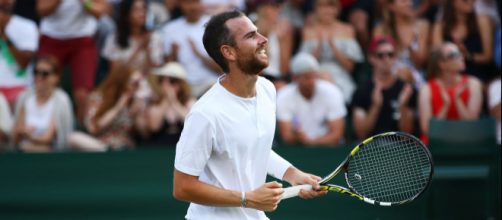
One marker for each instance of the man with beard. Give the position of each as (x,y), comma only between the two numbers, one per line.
(224,153)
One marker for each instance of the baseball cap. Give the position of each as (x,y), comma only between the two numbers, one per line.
(171,69)
(377,41)
(302,63)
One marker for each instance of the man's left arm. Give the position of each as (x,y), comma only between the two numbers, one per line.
(282,169)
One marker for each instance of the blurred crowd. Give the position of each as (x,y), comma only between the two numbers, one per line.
(344,69)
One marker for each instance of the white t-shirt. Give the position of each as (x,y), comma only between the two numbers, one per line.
(226,142)
(493,100)
(112,51)
(70,20)
(180,31)
(23,34)
(39,117)
(312,115)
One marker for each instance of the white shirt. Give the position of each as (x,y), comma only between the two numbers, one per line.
(180,31)
(5,116)
(38,117)
(312,116)
(493,100)
(112,51)
(227,142)
(69,20)
(23,34)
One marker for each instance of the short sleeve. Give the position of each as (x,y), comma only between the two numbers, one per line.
(336,104)
(23,34)
(195,145)
(277,165)
(284,111)
(110,48)
(494,93)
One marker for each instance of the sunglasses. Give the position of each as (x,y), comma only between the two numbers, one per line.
(382,55)
(452,55)
(43,73)
(171,80)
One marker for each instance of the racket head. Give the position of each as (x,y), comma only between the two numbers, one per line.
(389,169)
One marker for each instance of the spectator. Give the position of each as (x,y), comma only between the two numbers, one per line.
(428,9)
(217,6)
(166,116)
(132,44)
(5,122)
(488,8)
(449,94)
(494,104)
(279,32)
(44,114)
(18,43)
(334,44)
(399,22)
(293,11)
(310,111)
(112,112)
(386,103)
(68,28)
(362,16)
(183,43)
(472,34)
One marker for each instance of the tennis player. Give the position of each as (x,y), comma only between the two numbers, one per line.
(224,152)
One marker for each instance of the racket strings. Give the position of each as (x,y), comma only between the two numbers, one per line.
(390,168)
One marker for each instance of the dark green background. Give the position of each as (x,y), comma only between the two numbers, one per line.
(138,185)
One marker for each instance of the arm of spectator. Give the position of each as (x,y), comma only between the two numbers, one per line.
(18,129)
(46,7)
(96,8)
(99,124)
(473,108)
(46,138)
(422,8)
(210,63)
(437,34)
(286,46)
(335,134)
(364,121)
(419,52)
(22,57)
(424,108)
(287,132)
(406,120)
(486,34)
(346,63)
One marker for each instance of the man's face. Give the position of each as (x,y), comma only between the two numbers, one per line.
(306,81)
(384,57)
(250,46)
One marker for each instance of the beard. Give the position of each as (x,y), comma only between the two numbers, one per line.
(250,64)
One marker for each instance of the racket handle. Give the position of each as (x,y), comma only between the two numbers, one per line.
(295,190)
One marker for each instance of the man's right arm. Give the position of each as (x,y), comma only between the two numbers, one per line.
(47,7)
(190,188)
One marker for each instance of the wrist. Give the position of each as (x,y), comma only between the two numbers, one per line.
(244,201)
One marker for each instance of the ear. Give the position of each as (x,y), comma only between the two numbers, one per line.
(228,52)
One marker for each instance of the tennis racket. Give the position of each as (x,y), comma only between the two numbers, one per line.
(387,169)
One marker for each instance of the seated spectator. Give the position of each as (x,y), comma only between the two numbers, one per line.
(5,123)
(132,44)
(310,111)
(411,34)
(472,34)
(68,28)
(494,104)
(279,32)
(449,94)
(165,118)
(385,103)
(44,114)
(18,43)
(183,43)
(334,44)
(111,113)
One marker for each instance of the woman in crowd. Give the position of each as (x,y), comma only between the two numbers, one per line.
(165,117)
(449,94)
(334,44)
(44,114)
(411,34)
(280,36)
(471,33)
(111,114)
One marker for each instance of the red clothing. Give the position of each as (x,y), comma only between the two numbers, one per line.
(437,100)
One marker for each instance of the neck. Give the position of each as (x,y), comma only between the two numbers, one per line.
(461,17)
(385,78)
(326,23)
(240,84)
(306,93)
(43,95)
(136,31)
(449,78)
(402,20)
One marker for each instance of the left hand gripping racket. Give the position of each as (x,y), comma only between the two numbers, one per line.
(387,169)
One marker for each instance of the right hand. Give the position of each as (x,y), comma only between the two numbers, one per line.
(265,198)
(377,96)
(124,100)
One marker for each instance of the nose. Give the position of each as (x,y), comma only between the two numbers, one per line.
(263,39)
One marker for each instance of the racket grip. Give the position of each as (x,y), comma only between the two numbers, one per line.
(294,191)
